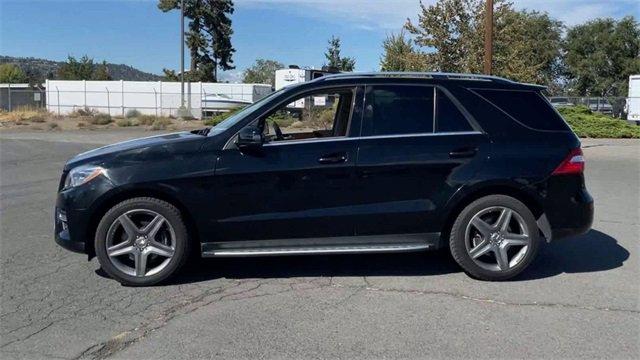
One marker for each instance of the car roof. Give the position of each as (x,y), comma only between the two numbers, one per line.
(431,77)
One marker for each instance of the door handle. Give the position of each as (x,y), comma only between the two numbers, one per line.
(463,153)
(333,158)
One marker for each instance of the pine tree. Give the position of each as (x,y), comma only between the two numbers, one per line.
(335,61)
(208,37)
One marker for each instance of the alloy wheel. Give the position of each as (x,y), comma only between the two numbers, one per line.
(140,242)
(497,238)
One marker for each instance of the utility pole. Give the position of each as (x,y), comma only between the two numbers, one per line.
(488,37)
(181,53)
(183,112)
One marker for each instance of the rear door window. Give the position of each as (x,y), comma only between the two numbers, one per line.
(526,107)
(398,110)
(448,117)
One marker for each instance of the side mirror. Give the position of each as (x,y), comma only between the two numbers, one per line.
(250,139)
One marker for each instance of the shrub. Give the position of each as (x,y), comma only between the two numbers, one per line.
(82,112)
(53,126)
(123,122)
(160,124)
(586,123)
(217,119)
(146,119)
(133,113)
(100,119)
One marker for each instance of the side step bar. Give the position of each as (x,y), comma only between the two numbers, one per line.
(346,245)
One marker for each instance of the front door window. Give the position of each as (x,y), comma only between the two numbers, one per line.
(317,115)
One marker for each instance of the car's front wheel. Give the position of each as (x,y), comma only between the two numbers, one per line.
(141,241)
(494,238)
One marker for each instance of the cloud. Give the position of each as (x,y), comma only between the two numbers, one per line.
(391,14)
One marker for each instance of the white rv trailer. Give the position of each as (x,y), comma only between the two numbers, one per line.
(291,76)
(633,99)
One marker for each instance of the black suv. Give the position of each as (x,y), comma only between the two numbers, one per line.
(349,163)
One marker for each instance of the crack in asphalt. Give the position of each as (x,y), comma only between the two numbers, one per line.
(127,338)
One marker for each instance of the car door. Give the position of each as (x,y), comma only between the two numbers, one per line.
(297,187)
(417,148)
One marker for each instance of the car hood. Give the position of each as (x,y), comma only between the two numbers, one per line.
(168,142)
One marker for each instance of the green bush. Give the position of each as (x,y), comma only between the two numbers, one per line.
(133,113)
(100,119)
(586,123)
(160,124)
(220,117)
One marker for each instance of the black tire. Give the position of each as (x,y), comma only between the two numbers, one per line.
(172,217)
(458,246)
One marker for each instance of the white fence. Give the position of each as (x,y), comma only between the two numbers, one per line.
(149,97)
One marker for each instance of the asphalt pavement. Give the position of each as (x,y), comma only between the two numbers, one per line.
(579,299)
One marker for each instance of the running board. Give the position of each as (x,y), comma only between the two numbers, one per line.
(344,245)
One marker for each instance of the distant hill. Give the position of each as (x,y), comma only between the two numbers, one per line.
(42,69)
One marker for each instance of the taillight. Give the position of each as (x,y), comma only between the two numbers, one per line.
(572,164)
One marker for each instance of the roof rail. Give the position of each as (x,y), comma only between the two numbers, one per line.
(427,75)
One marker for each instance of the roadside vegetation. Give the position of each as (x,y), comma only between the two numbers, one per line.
(588,124)
(26,118)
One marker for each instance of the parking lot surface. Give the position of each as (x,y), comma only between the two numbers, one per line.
(579,299)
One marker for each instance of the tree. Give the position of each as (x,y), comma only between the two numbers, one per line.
(527,45)
(208,37)
(12,74)
(601,54)
(262,72)
(335,61)
(399,55)
(75,69)
(101,72)
(170,75)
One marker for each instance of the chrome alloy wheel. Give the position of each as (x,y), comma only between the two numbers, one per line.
(497,238)
(140,242)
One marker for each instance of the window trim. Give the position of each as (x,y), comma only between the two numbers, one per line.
(374,137)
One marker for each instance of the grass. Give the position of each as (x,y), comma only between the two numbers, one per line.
(588,124)
(24,114)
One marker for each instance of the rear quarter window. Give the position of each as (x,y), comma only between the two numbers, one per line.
(529,108)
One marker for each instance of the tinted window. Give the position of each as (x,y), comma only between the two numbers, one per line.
(527,107)
(448,116)
(393,110)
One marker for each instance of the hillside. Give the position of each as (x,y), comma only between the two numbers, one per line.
(47,69)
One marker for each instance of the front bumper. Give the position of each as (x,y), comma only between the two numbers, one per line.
(62,233)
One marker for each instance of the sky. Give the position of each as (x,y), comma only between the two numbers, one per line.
(136,33)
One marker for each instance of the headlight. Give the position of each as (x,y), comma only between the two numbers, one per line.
(82,175)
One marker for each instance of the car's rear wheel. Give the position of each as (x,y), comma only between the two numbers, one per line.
(494,238)
(141,241)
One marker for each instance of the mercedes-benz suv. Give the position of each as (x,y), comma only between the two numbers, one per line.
(348,163)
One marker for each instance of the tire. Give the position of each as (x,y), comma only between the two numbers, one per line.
(147,240)
(476,241)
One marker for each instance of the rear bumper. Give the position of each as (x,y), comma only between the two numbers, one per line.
(576,219)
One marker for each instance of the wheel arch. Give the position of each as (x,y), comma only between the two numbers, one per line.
(116,196)
(464,197)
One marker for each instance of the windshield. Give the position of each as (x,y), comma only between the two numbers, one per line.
(233,119)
